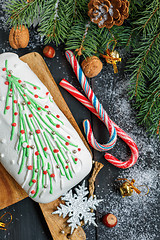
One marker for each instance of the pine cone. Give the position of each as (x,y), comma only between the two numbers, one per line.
(107,13)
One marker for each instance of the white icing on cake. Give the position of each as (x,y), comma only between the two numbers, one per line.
(38,145)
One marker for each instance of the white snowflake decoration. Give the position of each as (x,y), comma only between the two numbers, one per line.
(78,207)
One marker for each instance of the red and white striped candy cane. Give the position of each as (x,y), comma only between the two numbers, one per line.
(98,106)
(133,147)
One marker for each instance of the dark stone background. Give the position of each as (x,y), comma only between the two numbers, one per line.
(138,216)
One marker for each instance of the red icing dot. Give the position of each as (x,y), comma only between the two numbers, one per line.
(30,115)
(39,108)
(15,101)
(47,93)
(35,87)
(28,146)
(76,159)
(36,153)
(68,137)
(9,75)
(66,167)
(79,149)
(19,81)
(57,116)
(45,172)
(67,143)
(45,149)
(8,107)
(38,131)
(58,126)
(34,180)
(11,90)
(14,124)
(46,106)
(30,167)
(32,192)
(29,103)
(55,150)
(24,95)
(52,175)
(22,131)
(36,96)
(4,69)
(16,113)
(7,83)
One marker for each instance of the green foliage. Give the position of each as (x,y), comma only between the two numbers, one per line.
(137,7)
(149,105)
(56,20)
(80,39)
(80,8)
(23,12)
(144,67)
(67,21)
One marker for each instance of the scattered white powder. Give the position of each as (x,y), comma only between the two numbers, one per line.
(138,216)
(56,9)
(35,38)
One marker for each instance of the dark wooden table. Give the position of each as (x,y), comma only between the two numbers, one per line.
(138,216)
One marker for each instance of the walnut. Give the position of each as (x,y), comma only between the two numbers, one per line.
(19,37)
(92,66)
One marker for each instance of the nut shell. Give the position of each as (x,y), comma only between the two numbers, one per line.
(49,52)
(19,37)
(109,220)
(92,66)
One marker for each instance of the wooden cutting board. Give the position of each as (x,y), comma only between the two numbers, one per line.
(10,191)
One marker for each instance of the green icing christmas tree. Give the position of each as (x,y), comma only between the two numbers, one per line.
(40,146)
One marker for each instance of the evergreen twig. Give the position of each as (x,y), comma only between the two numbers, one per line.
(67,21)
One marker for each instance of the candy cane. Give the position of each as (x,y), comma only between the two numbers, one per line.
(134,150)
(98,106)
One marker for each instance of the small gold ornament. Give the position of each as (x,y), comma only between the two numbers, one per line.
(115,54)
(127,187)
(3,226)
(112,56)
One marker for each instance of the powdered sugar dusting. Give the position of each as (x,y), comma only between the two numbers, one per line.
(138,216)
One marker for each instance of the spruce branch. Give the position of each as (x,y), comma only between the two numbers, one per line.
(149,114)
(56,20)
(151,17)
(67,21)
(80,38)
(149,21)
(145,52)
(23,12)
(79,50)
(141,64)
(80,8)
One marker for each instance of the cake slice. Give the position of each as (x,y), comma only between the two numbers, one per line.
(38,145)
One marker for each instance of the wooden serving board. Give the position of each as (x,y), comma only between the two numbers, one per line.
(10,191)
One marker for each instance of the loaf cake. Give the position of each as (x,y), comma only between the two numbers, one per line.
(38,146)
